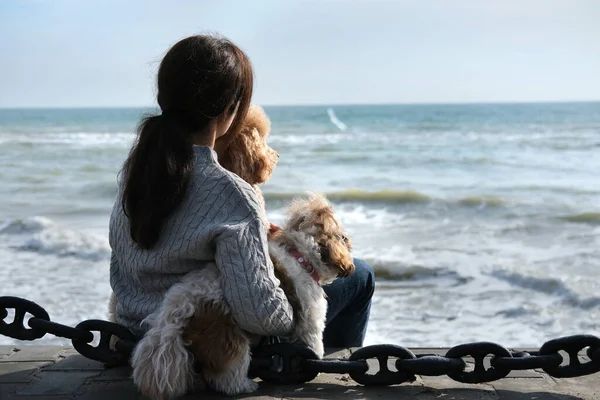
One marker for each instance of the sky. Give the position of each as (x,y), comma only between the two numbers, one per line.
(74,53)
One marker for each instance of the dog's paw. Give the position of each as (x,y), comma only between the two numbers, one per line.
(319,349)
(249,386)
(315,343)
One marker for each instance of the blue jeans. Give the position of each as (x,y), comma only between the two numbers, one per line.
(349,307)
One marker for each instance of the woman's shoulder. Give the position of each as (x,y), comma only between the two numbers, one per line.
(227,186)
(240,189)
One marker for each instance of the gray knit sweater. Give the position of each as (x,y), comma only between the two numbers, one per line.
(219,222)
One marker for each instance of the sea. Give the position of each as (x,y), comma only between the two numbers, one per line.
(482,221)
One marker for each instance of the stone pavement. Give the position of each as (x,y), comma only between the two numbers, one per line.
(50,372)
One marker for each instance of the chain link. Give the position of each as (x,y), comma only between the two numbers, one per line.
(384,376)
(288,363)
(81,336)
(103,351)
(523,360)
(334,366)
(284,363)
(17,329)
(573,346)
(53,328)
(479,351)
(431,365)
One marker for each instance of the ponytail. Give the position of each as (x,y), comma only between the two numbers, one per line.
(156,174)
(200,79)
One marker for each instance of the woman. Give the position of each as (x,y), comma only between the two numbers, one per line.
(179,210)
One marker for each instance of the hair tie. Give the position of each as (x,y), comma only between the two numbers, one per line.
(174,113)
(190,119)
(181,117)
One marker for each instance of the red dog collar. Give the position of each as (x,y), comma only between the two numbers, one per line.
(305,264)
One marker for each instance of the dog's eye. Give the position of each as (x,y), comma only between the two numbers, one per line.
(342,237)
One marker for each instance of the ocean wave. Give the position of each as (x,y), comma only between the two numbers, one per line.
(483,201)
(548,285)
(319,139)
(552,189)
(44,236)
(393,197)
(355,195)
(592,218)
(518,311)
(81,139)
(397,271)
(381,196)
(351,215)
(459,160)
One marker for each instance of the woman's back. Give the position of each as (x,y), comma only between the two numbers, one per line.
(219,221)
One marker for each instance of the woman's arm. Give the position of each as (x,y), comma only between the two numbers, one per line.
(249,284)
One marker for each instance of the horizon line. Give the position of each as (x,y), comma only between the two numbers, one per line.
(500,102)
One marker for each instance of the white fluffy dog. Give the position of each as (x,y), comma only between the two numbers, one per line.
(194,326)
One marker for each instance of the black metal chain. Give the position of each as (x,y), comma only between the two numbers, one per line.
(288,363)
(81,336)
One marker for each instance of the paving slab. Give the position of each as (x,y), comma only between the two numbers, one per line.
(33,353)
(19,372)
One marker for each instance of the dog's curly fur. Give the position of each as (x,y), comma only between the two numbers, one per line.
(248,155)
(195,321)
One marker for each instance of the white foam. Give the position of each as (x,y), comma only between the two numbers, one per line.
(76,139)
(42,235)
(353,216)
(24,226)
(305,139)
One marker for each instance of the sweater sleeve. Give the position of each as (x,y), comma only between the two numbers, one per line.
(248,280)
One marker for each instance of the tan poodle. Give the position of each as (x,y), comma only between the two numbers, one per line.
(248,155)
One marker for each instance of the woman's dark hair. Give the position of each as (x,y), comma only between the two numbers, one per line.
(200,78)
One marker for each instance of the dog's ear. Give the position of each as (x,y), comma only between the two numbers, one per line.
(296,222)
(335,253)
(248,154)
